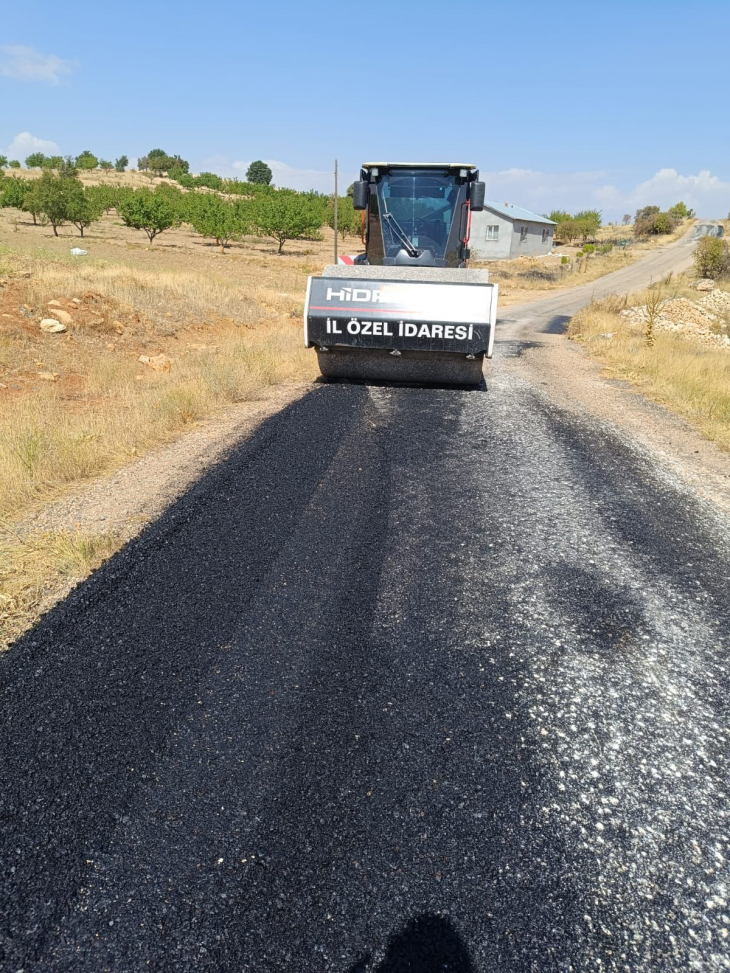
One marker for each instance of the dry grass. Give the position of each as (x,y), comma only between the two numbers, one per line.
(227,341)
(34,568)
(690,378)
(524,276)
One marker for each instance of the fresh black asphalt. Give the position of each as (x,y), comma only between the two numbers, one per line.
(414,680)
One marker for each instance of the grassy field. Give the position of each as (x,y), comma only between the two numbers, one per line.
(687,376)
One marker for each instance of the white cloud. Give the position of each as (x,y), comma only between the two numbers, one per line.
(28,64)
(706,193)
(25,143)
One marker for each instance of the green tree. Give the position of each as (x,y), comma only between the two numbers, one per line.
(14,164)
(711,257)
(259,172)
(654,223)
(106,165)
(87,160)
(567,231)
(626,219)
(153,212)
(121,164)
(3,162)
(82,208)
(217,219)
(14,192)
(588,222)
(54,197)
(53,162)
(286,215)
(158,161)
(35,160)
(348,219)
(210,180)
(143,163)
(559,216)
(33,201)
(644,212)
(680,211)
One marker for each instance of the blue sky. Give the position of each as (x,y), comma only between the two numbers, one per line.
(565,104)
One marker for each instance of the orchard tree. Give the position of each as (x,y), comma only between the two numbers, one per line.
(54,195)
(14,164)
(153,212)
(287,215)
(588,222)
(258,172)
(87,160)
(14,192)
(53,162)
(348,219)
(83,208)
(217,219)
(35,160)
(106,165)
(121,164)
(32,201)
(559,216)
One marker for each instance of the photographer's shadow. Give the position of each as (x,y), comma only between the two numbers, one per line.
(428,944)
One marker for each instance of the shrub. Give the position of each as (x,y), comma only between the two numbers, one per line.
(3,162)
(259,172)
(589,248)
(654,223)
(287,215)
(35,160)
(121,164)
(564,261)
(153,212)
(605,247)
(87,160)
(712,258)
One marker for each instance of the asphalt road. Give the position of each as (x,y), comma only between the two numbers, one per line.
(413,680)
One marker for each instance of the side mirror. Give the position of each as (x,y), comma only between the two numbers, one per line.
(477,192)
(360,194)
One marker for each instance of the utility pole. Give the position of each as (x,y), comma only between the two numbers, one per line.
(336,201)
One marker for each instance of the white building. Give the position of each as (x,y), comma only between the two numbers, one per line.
(502,231)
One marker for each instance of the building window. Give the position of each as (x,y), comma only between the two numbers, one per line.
(545,235)
(523,234)
(492,233)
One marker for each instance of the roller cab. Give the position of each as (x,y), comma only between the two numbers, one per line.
(408,309)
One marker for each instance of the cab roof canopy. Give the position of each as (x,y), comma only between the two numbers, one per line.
(418,165)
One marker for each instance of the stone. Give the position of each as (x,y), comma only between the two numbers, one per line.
(51,326)
(160,363)
(704,284)
(63,316)
(54,304)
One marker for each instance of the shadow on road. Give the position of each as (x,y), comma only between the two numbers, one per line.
(428,944)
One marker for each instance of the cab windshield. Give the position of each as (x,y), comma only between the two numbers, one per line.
(416,209)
